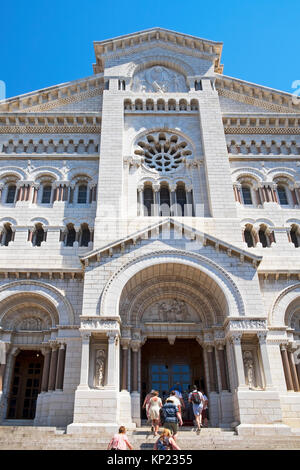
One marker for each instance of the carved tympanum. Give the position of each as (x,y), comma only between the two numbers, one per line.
(159,79)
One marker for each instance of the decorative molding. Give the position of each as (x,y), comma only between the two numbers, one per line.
(246,324)
(242,97)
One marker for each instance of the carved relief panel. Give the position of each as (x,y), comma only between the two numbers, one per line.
(170,310)
(160,80)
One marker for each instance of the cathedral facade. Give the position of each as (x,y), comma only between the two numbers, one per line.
(150,235)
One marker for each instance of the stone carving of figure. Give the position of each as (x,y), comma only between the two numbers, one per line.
(173,310)
(249,369)
(159,79)
(31,324)
(100,367)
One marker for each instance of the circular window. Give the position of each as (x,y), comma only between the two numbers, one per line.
(163,151)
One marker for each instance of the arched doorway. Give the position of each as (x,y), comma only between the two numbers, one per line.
(173,330)
(165,365)
(25,385)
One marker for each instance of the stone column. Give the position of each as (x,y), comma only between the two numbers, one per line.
(293,370)
(135,370)
(222,366)
(156,190)
(141,210)
(206,369)
(53,368)
(286,367)
(85,353)
(125,345)
(262,336)
(60,367)
(46,369)
(173,211)
(135,396)
(237,347)
(210,360)
(189,200)
(112,359)
(3,351)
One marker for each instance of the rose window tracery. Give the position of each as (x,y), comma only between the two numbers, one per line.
(164,152)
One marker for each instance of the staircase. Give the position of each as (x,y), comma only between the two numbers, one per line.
(25,437)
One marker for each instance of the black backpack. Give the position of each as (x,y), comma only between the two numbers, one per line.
(196,398)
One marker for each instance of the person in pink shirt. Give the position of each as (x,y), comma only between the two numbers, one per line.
(120,441)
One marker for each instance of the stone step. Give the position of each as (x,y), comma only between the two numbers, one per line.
(51,438)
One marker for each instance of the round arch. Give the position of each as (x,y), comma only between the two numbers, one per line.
(283,306)
(226,290)
(49,297)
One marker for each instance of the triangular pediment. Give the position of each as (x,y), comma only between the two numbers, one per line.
(152,231)
(185,43)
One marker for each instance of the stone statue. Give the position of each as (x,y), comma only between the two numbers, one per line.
(100,367)
(249,369)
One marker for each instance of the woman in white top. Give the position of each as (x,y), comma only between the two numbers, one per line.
(155,405)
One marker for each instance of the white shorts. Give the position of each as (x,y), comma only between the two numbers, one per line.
(197,409)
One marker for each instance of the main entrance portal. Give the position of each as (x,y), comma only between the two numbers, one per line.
(165,365)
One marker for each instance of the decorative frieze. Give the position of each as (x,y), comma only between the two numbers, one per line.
(251,324)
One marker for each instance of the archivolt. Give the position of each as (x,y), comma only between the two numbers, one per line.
(110,301)
(279,313)
(37,292)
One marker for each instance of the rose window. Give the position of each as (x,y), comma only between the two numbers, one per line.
(164,152)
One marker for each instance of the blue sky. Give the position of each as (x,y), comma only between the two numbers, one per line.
(47,43)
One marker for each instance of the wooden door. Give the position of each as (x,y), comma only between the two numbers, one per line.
(25,385)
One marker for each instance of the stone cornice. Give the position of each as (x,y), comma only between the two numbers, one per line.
(279,273)
(54,123)
(55,96)
(25,274)
(256,95)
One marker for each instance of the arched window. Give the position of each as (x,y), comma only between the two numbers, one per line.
(248,237)
(181,199)
(85,235)
(148,201)
(70,236)
(295,235)
(39,235)
(7,235)
(282,196)
(46,196)
(246,194)
(164,194)
(82,194)
(11,194)
(182,105)
(266,237)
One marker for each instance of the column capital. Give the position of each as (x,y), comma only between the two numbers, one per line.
(262,336)
(236,338)
(135,345)
(125,343)
(112,336)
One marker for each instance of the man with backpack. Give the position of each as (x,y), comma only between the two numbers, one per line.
(197,400)
(170,417)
